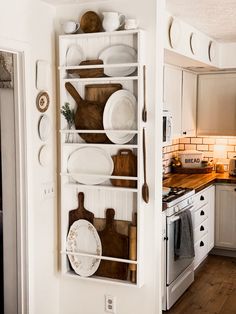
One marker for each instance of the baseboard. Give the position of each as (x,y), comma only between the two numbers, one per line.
(223,252)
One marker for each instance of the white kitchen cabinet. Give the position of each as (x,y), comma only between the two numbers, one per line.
(225,216)
(189,100)
(180,97)
(216,110)
(203,223)
(211,217)
(172,97)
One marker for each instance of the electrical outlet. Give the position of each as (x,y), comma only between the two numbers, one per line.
(110,304)
(47,190)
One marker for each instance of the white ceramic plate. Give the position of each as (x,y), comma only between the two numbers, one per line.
(44,127)
(83,238)
(90,160)
(175,33)
(120,114)
(211,51)
(119,54)
(44,156)
(194,43)
(74,55)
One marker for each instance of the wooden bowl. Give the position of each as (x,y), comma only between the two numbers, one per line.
(90,22)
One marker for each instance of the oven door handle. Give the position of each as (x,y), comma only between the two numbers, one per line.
(177,217)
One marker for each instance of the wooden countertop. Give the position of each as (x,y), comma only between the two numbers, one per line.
(197,181)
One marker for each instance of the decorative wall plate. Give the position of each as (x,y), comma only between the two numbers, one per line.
(42,101)
(211,51)
(84,238)
(194,43)
(44,156)
(175,33)
(44,127)
(42,74)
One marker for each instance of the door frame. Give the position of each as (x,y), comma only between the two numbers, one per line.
(22,97)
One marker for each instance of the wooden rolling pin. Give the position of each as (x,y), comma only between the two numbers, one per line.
(133,248)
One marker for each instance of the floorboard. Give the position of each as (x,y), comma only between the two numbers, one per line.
(213,291)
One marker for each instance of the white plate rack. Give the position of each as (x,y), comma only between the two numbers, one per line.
(125,201)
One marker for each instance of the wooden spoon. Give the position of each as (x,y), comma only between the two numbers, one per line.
(145,188)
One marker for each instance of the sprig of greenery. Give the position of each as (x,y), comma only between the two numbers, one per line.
(68,113)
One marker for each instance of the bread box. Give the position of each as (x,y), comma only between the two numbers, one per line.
(190,158)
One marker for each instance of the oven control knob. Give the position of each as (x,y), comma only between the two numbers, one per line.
(189,201)
(176,209)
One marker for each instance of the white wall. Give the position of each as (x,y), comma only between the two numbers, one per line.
(83,297)
(28,25)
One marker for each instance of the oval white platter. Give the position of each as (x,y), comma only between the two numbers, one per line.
(119,54)
(74,55)
(194,43)
(90,161)
(83,238)
(175,33)
(120,114)
(44,127)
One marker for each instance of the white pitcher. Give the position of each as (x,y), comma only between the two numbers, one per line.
(112,21)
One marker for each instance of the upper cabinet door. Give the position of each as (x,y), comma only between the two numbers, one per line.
(173,96)
(189,101)
(216,113)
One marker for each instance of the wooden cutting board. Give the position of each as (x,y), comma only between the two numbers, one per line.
(88,73)
(100,92)
(81,212)
(125,164)
(88,116)
(114,244)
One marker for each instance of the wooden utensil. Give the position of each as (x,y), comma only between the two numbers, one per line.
(144,113)
(88,116)
(88,73)
(114,244)
(133,248)
(81,212)
(90,22)
(100,92)
(125,164)
(145,188)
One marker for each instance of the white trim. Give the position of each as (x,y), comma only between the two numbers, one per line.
(22,53)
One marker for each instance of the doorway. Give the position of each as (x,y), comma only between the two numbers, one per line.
(11,240)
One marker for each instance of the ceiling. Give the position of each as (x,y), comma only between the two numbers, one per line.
(216,18)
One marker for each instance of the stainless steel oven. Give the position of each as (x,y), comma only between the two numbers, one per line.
(179,273)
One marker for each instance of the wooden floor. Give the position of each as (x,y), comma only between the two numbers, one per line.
(213,291)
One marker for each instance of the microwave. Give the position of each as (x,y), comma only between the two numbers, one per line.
(167,128)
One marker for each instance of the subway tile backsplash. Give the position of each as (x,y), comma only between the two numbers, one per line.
(207,145)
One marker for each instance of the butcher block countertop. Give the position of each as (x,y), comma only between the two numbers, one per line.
(197,181)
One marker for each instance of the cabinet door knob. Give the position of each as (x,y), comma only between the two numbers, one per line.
(235,189)
(202,213)
(202,228)
(184,133)
(202,198)
(201,243)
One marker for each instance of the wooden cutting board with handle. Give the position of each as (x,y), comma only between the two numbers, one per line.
(114,244)
(88,116)
(100,92)
(81,212)
(125,164)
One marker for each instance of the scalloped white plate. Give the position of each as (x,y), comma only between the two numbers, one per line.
(84,238)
